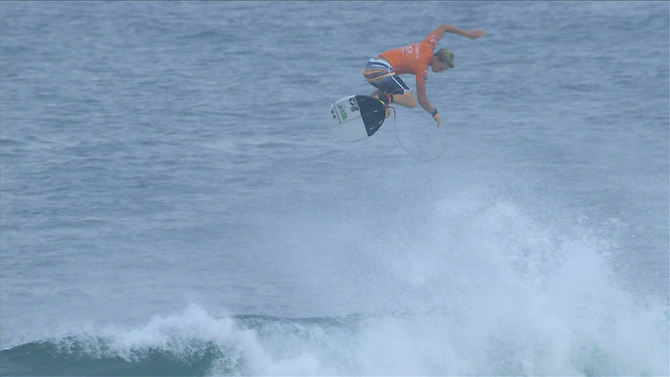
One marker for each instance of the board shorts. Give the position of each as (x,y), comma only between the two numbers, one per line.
(382,76)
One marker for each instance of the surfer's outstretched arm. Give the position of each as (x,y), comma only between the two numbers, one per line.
(446,28)
(424,102)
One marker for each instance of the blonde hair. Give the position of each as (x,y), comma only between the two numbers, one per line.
(444,55)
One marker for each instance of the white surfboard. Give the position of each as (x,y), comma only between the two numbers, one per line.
(357,117)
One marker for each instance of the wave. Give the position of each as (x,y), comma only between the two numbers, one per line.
(209,35)
(188,344)
(500,294)
(78,357)
(194,343)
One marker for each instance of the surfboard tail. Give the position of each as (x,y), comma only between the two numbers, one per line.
(356,117)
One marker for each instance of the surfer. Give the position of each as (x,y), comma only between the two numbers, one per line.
(382,72)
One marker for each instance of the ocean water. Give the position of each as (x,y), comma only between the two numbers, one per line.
(172,202)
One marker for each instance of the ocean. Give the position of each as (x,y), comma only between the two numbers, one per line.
(173,202)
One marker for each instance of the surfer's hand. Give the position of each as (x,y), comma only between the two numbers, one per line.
(474,34)
(437,119)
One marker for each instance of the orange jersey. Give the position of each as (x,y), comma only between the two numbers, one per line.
(414,58)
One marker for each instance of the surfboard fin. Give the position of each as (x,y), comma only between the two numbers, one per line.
(373,114)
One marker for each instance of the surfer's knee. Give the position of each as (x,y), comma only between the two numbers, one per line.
(411,101)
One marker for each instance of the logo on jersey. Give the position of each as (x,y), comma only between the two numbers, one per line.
(433,42)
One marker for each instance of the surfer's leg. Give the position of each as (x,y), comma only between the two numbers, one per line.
(376,93)
(407,99)
(380,74)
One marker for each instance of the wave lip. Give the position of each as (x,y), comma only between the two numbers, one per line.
(443,342)
(72,357)
(187,344)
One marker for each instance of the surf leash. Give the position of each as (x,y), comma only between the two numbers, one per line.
(395,126)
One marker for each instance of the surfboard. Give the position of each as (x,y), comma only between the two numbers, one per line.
(356,117)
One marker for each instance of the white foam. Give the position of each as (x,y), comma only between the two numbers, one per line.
(480,288)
